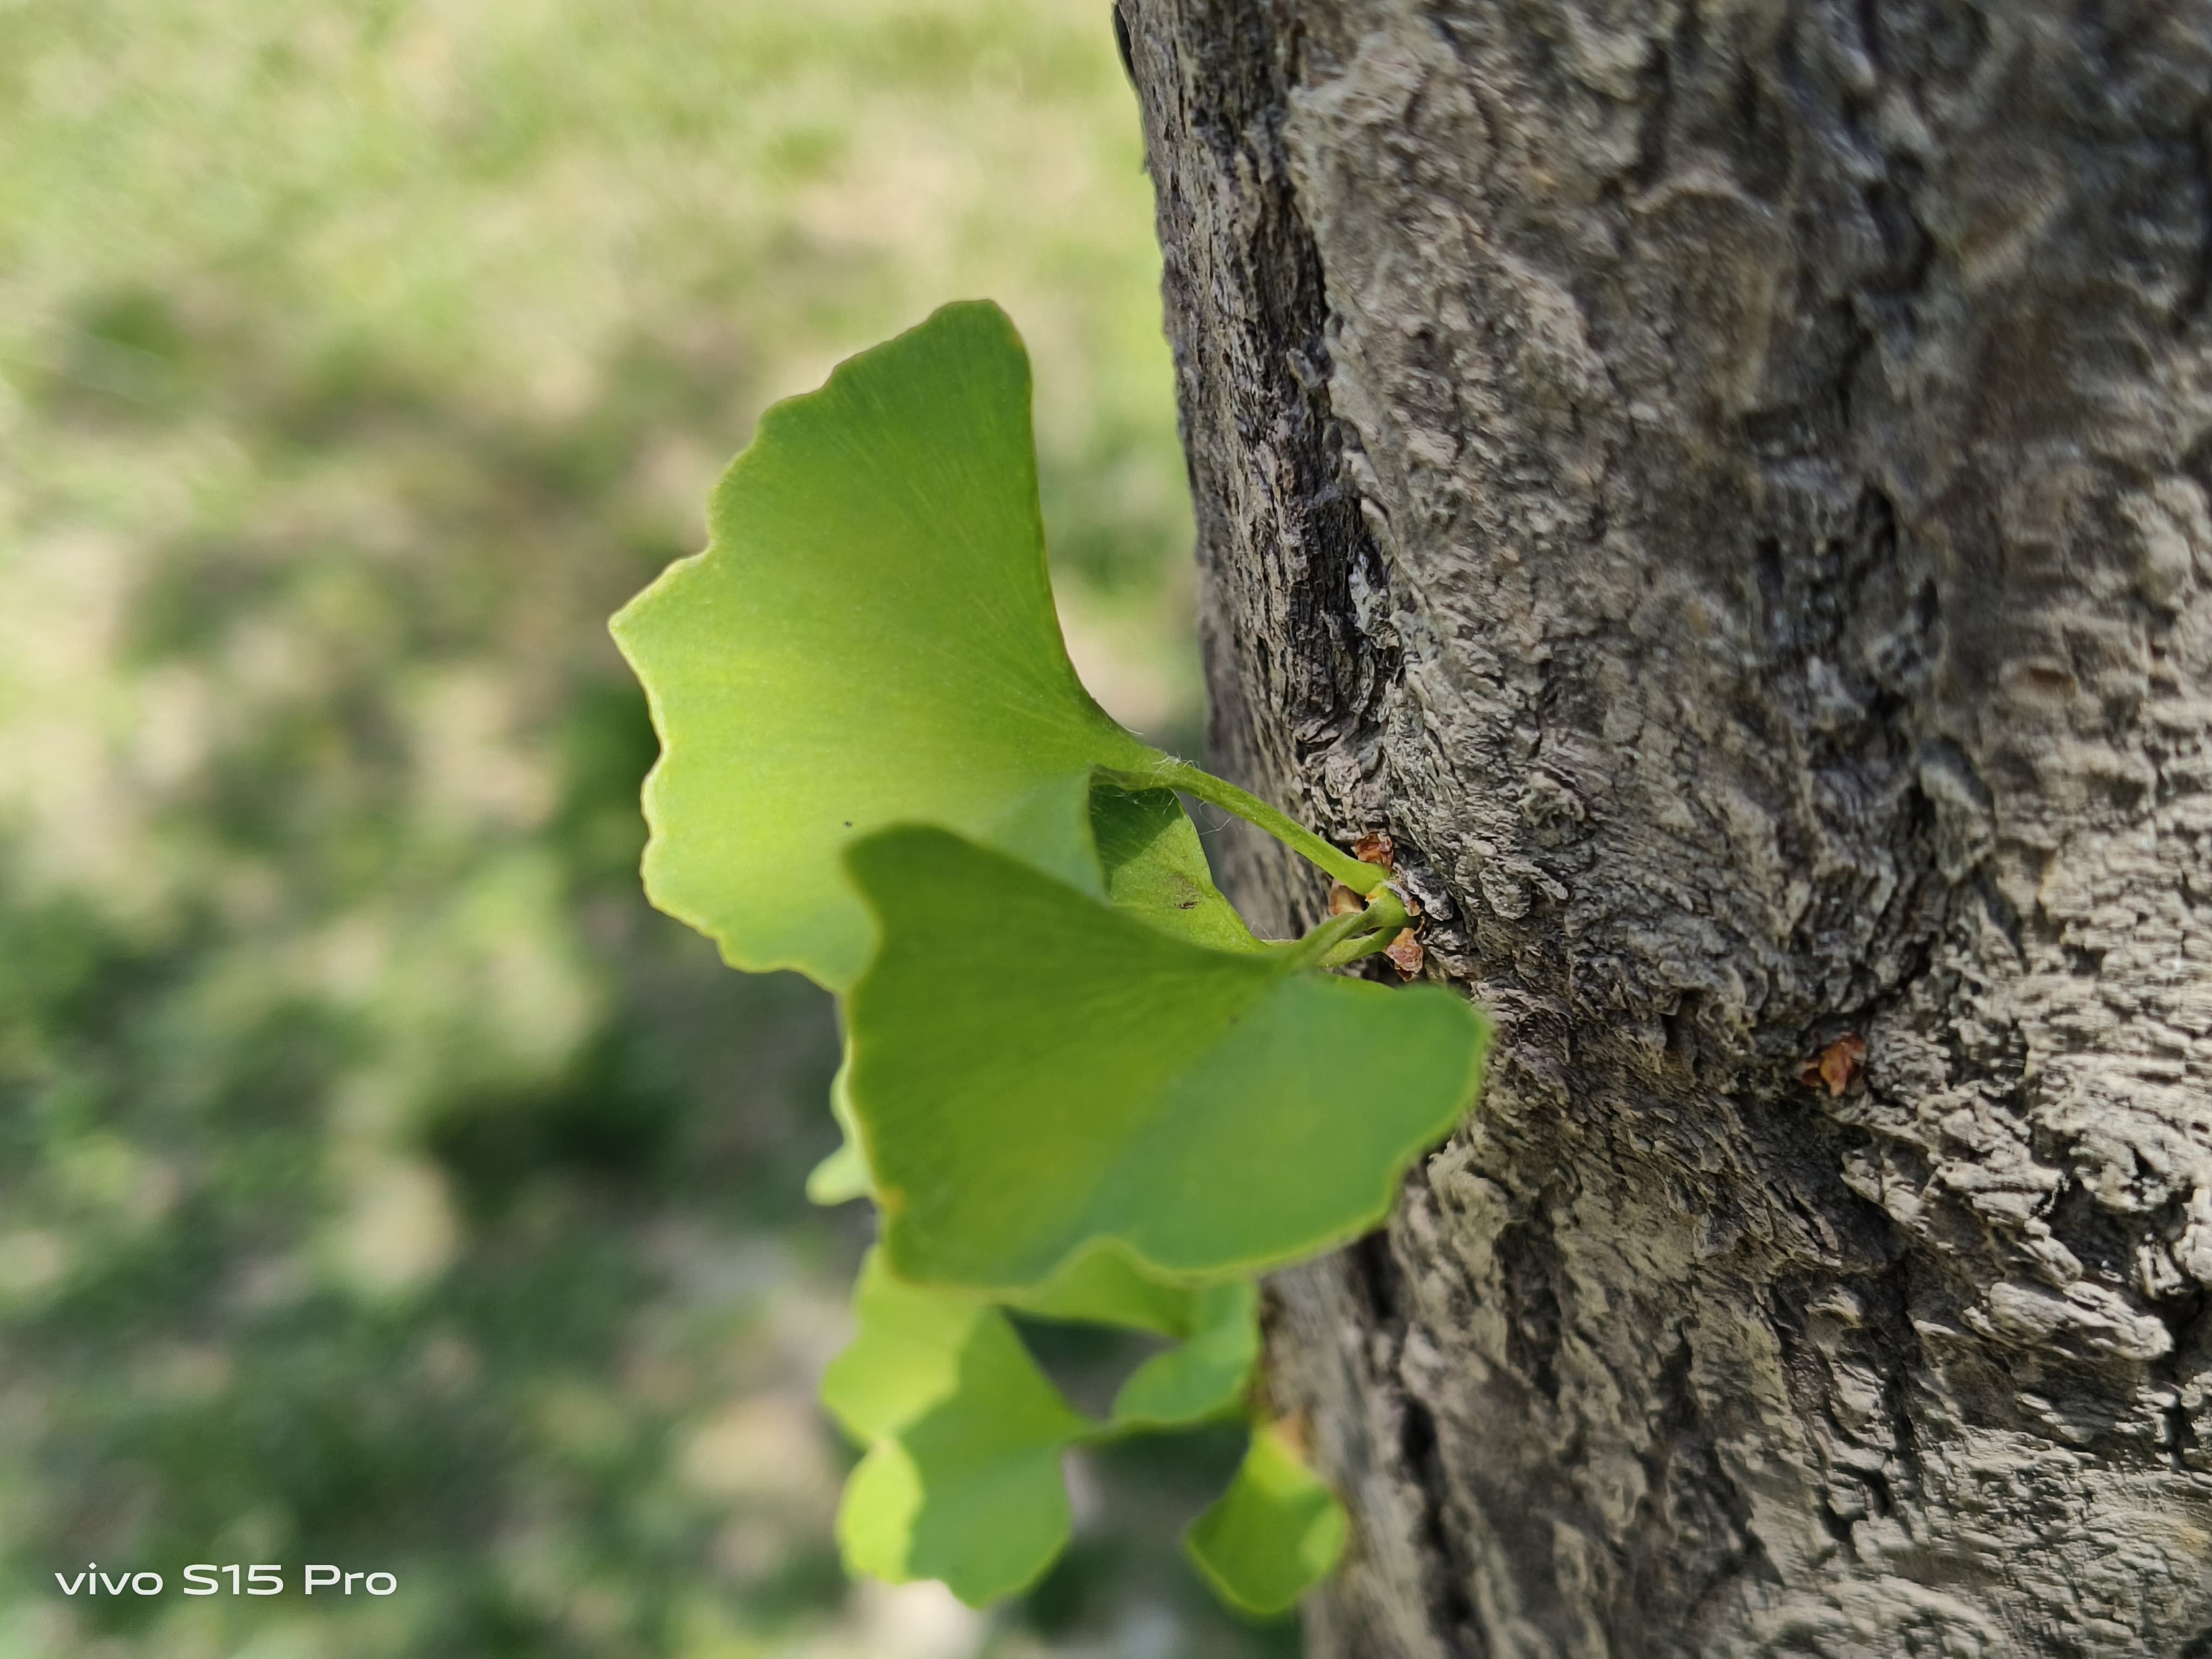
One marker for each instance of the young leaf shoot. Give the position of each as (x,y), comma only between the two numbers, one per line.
(1076,1084)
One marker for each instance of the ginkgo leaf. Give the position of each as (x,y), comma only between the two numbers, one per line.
(962,1481)
(869,639)
(1034,1070)
(1217,1324)
(1274,1534)
(962,1500)
(905,1354)
(843,1176)
(1105,1285)
(1155,868)
(839,1178)
(1206,1374)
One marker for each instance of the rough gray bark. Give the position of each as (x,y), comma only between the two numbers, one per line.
(1724,486)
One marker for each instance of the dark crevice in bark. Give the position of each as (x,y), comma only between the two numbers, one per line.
(2182,1440)
(1692,1533)
(1871,1468)
(1379,1278)
(1321,535)
(2189,309)
(1526,1259)
(1654,125)
(1904,1357)
(1380,1281)
(1451,1610)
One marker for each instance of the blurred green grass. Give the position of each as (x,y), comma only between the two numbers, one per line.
(381,1182)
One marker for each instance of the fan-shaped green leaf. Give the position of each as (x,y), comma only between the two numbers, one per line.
(1205,1375)
(1274,1534)
(905,1354)
(1218,1325)
(1155,869)
(839,1178)
(1104,1286)
(869,639)
(959,1500)
(962,1480)
(843,1176)
(1034,1070)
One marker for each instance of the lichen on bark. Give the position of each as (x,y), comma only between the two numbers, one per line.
(1725,490)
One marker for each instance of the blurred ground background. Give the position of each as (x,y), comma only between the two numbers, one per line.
(381,1181)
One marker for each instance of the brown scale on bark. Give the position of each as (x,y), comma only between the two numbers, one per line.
(1725,491)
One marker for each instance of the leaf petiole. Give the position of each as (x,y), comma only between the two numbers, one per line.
(1356,934)
(1366,945)
(1364,879)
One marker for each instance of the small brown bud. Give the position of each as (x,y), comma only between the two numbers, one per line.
(1838,1065)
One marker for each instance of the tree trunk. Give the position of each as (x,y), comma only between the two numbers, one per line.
(1723,486)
